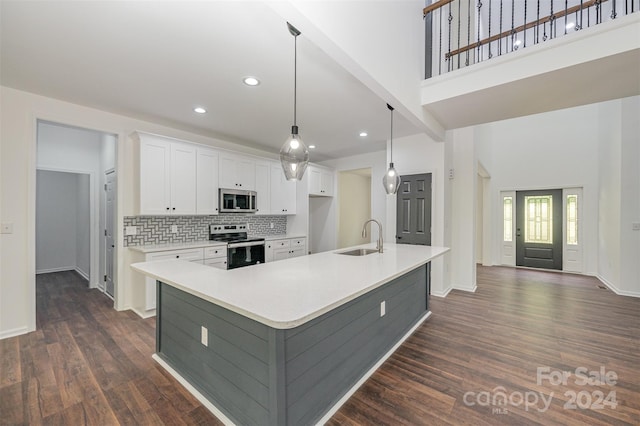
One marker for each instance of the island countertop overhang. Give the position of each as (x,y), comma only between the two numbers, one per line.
(288,293)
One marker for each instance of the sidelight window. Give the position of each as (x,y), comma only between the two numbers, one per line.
(572,219)
(538,219)
(507,205)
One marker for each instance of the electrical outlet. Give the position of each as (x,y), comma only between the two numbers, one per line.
(131,230)
(7,228)
(204,335)
(383,308)
(174,229)
(635,226)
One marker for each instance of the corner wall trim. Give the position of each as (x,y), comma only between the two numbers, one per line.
(14,332)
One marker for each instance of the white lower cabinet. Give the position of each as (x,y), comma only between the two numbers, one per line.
(216,257)
(285,249)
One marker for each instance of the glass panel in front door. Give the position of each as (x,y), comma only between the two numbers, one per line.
(538,219)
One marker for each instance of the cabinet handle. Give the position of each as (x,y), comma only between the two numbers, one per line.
(177,256)
(167,208)
(174,208)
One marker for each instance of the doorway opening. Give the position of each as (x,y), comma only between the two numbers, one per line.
(354,206)
(75,203)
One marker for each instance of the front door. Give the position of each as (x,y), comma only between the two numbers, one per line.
(413,220)
(539,229)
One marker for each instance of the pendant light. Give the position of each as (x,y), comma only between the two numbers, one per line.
(294,155)
(391,180)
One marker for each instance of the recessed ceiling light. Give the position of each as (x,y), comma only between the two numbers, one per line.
(363,134)
(251,81)
(199,110)
(312,146)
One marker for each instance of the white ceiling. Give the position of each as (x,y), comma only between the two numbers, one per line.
(158,60)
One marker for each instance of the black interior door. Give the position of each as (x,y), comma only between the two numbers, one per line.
(539,229)
(413,220)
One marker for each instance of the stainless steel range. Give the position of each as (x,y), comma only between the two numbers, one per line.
(241,249)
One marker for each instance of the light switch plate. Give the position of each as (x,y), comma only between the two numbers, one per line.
(635,226)
(204,335)
(7,228)
(383,308)
(131,230)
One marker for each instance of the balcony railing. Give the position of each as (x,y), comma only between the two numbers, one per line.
(460,33)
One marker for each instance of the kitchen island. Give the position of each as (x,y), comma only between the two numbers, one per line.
(286,343)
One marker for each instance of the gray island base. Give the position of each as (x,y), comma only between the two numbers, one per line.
(287,342)
(250,373)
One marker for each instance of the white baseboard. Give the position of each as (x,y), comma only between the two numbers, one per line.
(144,314)
(60,269)
(470,290)
(443,294)
(14,332)
(616,290)
(82,273)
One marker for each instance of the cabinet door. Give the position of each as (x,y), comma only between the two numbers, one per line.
(283,192)
(268,252)
(183,179)
(246,173)
(281,253)
(315,181)
(297,251)
(227,174)
(326,185)
(207,182)
(263,188)
(155,171)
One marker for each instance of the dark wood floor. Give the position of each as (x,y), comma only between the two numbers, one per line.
(88,364)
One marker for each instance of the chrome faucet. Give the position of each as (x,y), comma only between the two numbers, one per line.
(364,233)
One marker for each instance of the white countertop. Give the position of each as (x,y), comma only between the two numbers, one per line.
(288,293)
(152,248)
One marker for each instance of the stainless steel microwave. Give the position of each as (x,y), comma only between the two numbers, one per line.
(237,201)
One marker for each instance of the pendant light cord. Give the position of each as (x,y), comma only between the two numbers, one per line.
(391,109)
(295,77)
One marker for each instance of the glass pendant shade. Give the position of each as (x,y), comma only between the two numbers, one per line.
(391,180)
(294,156)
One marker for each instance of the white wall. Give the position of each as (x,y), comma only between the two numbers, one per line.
(20,112)
(381,43)
(322,224)
(354,201)
(56,230)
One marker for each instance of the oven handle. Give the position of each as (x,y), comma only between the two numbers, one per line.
(249,244)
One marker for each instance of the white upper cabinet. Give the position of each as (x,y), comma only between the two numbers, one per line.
(167,176)
(263,187)
(237,172)
(206,181)
(283,192)
(320,182)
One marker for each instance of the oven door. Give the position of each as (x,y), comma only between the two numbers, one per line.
(245,254)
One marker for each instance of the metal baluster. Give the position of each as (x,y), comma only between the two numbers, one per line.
(490,54)
(500,32)
(537,32)
(566,6)
(544,34)
(459,4)
(440,42)
(614,14)
(466,62)
(579,27)
(524,39)
(513,17)
(450,19)
(598,18)
(551,19)
(478,56)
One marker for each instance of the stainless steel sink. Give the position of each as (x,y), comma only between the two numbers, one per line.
(358,252)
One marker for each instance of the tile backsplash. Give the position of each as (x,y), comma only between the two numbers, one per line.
(157,229)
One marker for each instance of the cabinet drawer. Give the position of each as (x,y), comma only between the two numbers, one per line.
(276,244)
(220,263)
(298,242)
(185,254)
(215,252)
